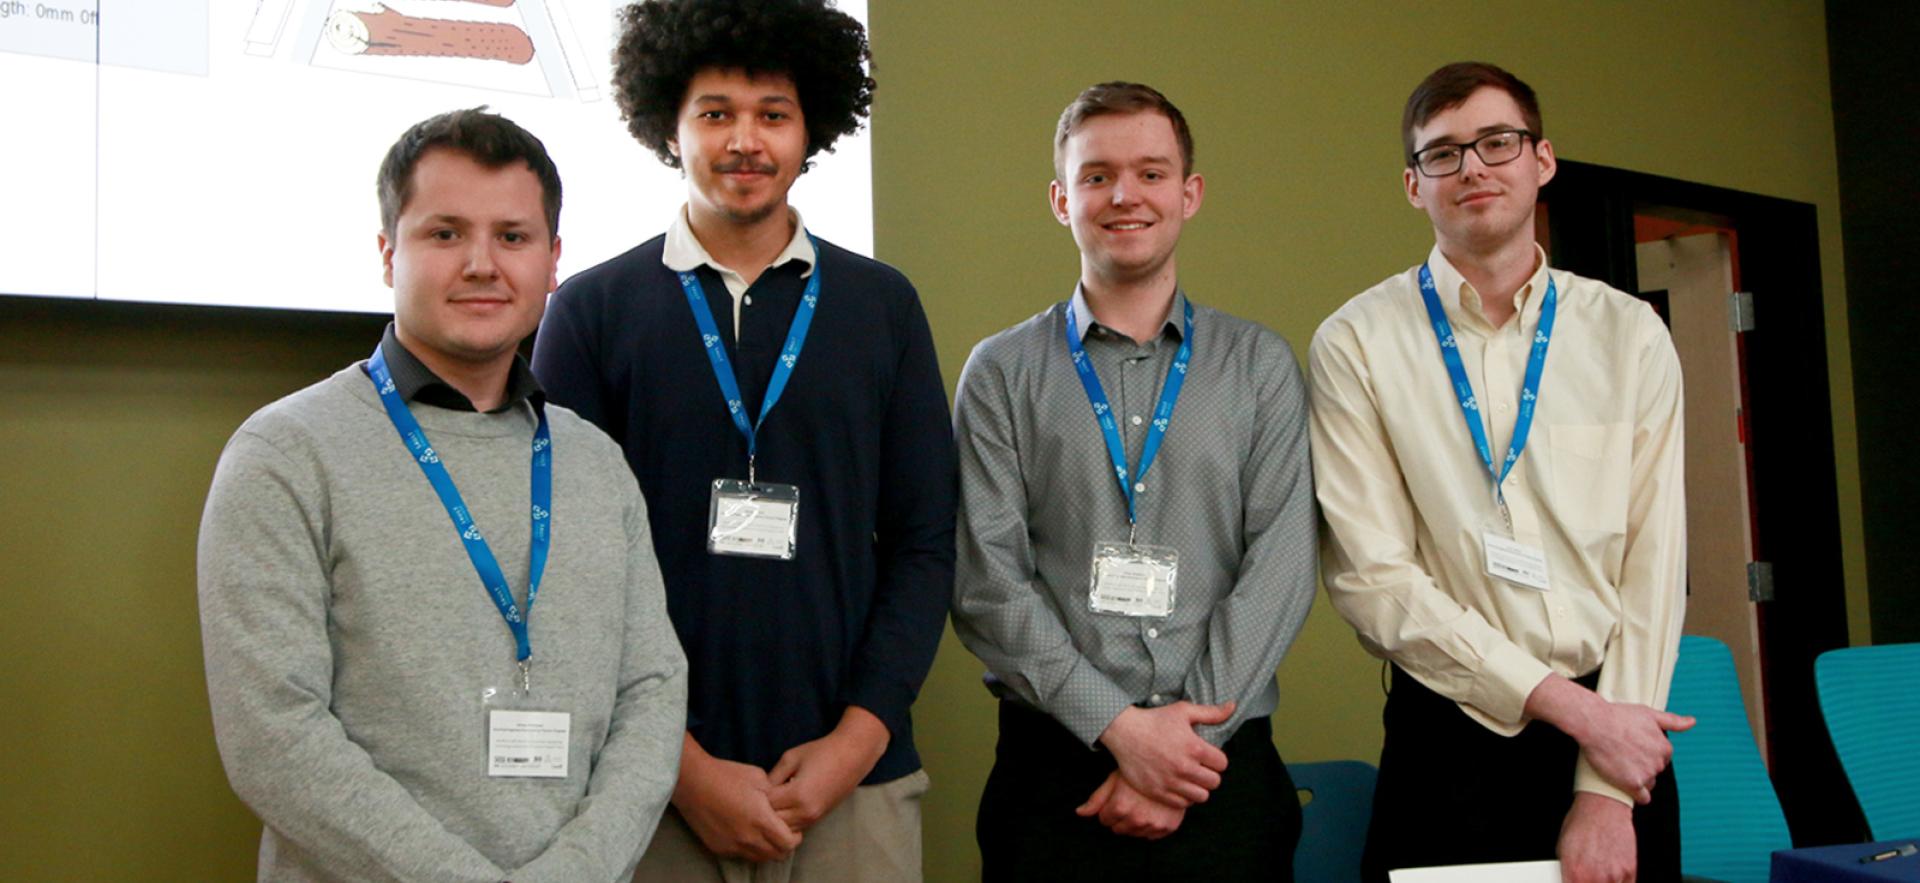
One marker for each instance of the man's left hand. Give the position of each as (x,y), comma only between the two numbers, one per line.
(1596,841)
(813,777)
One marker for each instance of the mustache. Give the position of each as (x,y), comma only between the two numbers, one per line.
(745,164)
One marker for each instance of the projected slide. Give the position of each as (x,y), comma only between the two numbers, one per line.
(224,151)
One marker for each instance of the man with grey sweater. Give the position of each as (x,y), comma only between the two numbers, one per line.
(436,643)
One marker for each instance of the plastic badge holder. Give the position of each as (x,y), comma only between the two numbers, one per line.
(753,520)
(1133,580)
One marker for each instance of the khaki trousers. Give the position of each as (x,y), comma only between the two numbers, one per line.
(871,837)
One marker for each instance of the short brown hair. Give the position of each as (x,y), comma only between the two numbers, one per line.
(1113,98)
(1451,86)
(488,138)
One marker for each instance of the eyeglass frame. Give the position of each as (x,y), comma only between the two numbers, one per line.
(1474,145)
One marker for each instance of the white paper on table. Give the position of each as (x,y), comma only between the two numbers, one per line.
(1504,872)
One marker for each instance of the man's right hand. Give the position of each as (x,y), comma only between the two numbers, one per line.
(1126,812)
(1627,745)
(1623,742)
(726,804)
(1162,757)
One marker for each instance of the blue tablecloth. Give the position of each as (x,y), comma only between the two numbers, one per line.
(1841,864)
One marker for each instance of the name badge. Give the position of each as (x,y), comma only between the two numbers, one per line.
(753,520)
(1133,580)
(528,744)
(1515,562)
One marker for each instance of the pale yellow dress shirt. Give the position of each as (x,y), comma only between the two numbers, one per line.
(1407,498)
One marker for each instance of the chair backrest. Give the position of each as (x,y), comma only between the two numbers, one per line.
(1870,697)
(1333,823)
(1730,818)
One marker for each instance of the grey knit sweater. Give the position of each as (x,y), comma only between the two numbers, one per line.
(349,645)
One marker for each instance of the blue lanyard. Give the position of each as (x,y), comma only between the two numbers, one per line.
(1463,388)
(1103,412)
(782,370)
(477,550)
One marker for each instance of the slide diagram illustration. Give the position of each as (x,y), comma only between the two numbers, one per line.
(141,117)
(528,46)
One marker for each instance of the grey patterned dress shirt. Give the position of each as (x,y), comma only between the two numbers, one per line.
(1231,489)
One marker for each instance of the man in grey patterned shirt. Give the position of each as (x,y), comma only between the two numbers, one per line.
(1141,617)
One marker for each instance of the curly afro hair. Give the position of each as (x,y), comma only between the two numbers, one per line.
(663,43)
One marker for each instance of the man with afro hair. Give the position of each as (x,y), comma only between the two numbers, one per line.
(779,401)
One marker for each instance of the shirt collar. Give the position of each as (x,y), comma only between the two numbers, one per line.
(415,382)
(1173,324)
(1466,300)
(684,251)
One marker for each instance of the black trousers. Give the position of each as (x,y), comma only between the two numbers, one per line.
(1453,792)
(1028,831)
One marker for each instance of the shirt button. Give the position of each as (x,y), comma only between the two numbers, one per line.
(1504,407)
(1154,699)
(1153,633)
(1136,420)
(747,299)
(1140,488)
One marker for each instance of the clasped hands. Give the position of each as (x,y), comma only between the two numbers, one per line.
(1626,744)
(741,811)
(1164,767)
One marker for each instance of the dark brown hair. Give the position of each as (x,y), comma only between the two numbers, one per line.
(489,138)
(1113,98)
(664,43)
(1451,86)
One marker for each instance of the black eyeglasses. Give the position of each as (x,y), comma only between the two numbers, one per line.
(1493,148)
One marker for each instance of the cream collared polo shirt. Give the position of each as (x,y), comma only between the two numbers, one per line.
(683,252)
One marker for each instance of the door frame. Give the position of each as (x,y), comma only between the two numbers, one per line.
(1789,433)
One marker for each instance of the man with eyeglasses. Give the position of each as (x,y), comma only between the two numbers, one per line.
(1497,454)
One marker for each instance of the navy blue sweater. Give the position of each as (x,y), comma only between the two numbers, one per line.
(778,649)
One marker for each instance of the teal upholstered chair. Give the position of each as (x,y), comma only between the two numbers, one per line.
(1870,697)
(1730,818)
(1333,824)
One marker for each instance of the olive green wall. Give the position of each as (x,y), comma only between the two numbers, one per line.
(113,417)
(1295,107)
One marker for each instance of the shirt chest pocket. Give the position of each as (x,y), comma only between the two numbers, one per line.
(1592,467)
